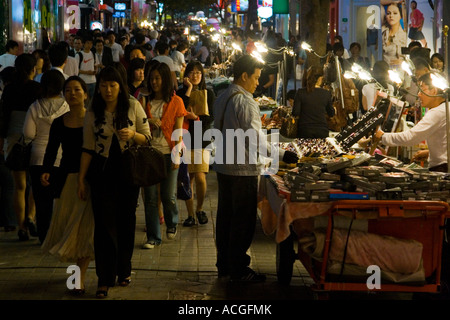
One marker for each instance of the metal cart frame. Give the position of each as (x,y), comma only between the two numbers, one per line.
(423,221)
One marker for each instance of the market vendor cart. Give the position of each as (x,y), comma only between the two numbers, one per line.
(409,234)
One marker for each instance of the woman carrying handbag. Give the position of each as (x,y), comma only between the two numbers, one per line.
(112,124)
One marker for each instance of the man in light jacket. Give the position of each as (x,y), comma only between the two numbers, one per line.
(235,111)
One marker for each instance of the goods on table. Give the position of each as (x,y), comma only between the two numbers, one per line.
(325,173)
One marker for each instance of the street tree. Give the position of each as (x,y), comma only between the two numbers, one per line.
(314,20)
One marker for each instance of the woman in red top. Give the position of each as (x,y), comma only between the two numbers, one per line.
(166,112)
(416,23)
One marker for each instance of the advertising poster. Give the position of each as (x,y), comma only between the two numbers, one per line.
(394,31)
(421,23)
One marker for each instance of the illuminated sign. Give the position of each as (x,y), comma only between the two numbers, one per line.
(265,12)
(96,25)
(120,6)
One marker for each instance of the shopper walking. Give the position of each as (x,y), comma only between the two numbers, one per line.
(36,128)
(201,114)
(112,123)
(166,112)
(71,234)
(14,106)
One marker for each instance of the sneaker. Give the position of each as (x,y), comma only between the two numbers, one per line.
(202,218)
(189,222)
(149,245)
(171,233)
(249,276)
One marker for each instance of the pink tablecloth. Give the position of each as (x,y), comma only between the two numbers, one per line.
(277,213)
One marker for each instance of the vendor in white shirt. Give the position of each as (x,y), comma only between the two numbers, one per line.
(432,128)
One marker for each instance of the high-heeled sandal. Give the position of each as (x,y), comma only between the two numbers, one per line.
(124,282)
(101,294)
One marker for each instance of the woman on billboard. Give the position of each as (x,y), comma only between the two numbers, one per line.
(416,20)
(393,35)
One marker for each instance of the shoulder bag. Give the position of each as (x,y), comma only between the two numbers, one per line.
(146,165)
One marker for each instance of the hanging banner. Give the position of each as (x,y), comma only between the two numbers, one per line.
(394,31)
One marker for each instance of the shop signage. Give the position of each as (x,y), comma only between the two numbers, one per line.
(280,6)
(265,12)
(119,6)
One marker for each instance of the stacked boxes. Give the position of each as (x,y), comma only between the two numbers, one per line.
(374,178)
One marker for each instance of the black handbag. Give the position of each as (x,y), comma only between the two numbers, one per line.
(18,158)
(146,165)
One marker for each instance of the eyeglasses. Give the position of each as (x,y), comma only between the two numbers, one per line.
(195,73)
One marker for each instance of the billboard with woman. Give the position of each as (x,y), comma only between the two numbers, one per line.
(394,31)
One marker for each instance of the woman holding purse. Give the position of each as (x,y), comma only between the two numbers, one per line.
(166,112)
(112,124)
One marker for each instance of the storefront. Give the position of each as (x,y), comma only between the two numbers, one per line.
(36,23)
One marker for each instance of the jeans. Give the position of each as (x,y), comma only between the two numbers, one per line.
(168,190)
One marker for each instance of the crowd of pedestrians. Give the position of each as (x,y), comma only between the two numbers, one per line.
(93,96)
(87,100)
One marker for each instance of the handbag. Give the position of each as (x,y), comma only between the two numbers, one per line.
(18,158)
(184,191)
(146,165)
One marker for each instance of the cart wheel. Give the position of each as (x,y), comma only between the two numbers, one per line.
(285,261)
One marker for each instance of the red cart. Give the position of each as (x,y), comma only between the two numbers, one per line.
(421,221)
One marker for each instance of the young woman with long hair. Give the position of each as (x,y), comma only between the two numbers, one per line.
(113,123)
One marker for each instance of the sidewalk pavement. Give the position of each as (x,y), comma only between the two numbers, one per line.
(181,269)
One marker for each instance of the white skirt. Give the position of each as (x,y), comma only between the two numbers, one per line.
(71,233)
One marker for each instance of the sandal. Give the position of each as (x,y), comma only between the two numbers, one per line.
(125,282)
(101,294)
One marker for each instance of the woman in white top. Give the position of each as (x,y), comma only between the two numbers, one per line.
(37,125)
(179,60)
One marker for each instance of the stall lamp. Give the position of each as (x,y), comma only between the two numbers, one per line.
(394,76)
(216,37)
(365,75)
(407,68)
(261,47)
(356,68)
(307,47)
(257,56)
(439,81)
(236,47)
(350,75)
